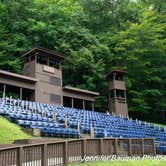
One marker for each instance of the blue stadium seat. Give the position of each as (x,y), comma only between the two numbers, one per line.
(104,125)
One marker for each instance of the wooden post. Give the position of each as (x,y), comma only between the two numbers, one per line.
(17,102)
(114,76)
(4,90)
(114,93)
(65,153)
(142,147)
(22,105)
(66,122)
(20,156)
(101,146)
(10,100)
(20,93)
(14,102)
(6,99)
(3,96)
(78,126)
(92,106)
(154,148)
(15,108)
(72,103)
(44,113)
(26,105)
(83,103)
(48,61)
(34,109)
(130,147)
(116,146)
(44,160)
(54,117)
(83,148)
(91,131)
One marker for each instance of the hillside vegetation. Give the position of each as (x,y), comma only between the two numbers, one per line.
(10,132)
(96,36)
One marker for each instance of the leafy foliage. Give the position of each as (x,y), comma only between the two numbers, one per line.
(96,36)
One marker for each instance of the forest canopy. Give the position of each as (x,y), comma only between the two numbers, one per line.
(96,36)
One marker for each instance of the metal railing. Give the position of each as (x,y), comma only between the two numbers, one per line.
(64,152)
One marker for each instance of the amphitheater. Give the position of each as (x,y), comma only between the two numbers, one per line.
(47,109)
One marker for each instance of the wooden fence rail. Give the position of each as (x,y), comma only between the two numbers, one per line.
(64,152)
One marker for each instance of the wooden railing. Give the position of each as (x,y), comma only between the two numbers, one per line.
(64,152)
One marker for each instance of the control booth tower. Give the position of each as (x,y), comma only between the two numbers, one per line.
(117,93)
(45,66)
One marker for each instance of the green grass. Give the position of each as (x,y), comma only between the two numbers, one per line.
(162,125)
(10,132)
(124,163)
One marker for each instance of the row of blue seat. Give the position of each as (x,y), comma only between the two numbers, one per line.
(104,125)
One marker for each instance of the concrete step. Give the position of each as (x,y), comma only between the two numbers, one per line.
(85,135)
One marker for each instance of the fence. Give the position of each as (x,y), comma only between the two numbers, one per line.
(64,152)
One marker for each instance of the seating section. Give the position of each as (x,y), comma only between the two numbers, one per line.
(59,121)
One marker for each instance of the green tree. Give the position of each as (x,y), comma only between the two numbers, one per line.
(96,36)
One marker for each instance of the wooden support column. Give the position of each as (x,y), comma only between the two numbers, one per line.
(20,93)
(4,90)
(83,103)
(125,94)
(48,61)
(114,76)
(114,93)
(72,103)
(62,103)
(92,106)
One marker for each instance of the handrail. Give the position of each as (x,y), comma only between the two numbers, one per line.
(62,152)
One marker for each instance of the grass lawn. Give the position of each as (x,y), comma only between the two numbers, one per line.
(10,132)
(162,125)
(124,163)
